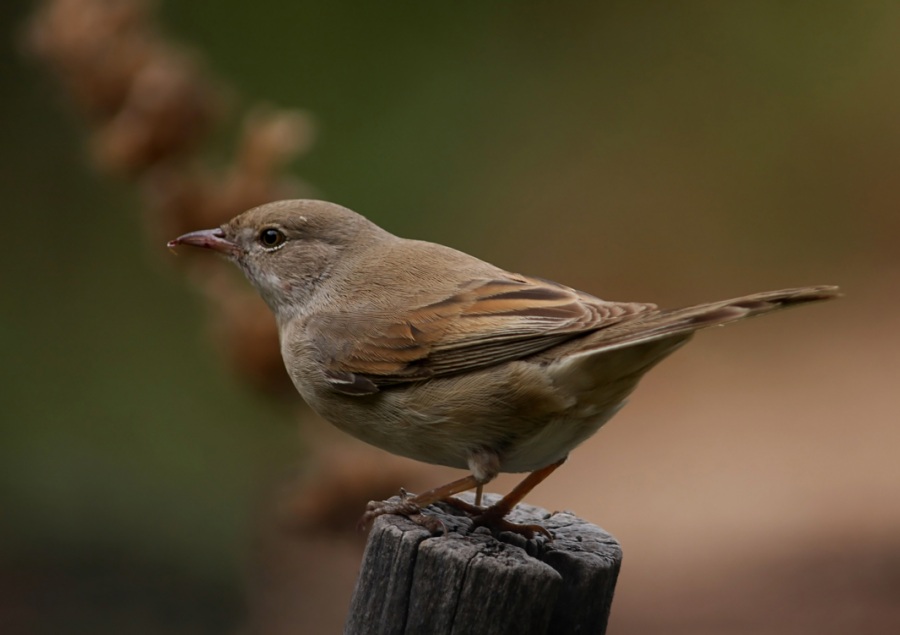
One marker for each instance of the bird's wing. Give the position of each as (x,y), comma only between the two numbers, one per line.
(482,323)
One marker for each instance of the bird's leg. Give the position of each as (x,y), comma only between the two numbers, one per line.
(484,464)
(494,516)
(411,506)
(444,491)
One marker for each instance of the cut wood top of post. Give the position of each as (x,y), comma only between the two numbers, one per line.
(470,581)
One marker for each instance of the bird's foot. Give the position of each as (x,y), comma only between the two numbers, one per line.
(406,507)
(494,518)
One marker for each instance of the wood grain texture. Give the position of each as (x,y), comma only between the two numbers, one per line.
(470,582)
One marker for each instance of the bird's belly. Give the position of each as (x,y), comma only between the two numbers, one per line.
(445,421)
(555,440)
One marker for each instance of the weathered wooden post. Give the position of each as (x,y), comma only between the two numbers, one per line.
(468,582)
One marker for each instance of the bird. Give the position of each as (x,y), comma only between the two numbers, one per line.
(433,354)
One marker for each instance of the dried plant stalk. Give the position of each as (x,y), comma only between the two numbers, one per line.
(150,107)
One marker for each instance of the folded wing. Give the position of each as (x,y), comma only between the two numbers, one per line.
(483,323)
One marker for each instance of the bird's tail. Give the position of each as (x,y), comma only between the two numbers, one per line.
(618,356)
(669,323)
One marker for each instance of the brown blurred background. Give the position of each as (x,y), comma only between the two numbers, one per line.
(157,479)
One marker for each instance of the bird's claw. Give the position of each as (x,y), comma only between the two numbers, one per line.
(496,523)
(493,518)
(406,507)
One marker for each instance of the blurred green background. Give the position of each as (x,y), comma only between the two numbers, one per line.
(673,152)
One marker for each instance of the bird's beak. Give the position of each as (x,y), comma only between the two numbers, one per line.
(208,238)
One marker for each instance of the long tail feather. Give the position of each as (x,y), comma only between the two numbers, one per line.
(670,323)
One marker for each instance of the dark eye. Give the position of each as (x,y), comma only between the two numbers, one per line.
(271,237)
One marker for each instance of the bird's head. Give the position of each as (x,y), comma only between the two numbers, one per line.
(289,248)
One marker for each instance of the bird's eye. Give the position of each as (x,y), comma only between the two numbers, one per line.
(271,238)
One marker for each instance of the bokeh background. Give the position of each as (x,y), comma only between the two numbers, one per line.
(640,151)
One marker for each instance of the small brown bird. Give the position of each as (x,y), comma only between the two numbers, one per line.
(433,354)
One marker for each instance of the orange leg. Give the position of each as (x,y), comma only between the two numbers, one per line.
(494,516)
(521,490)
(445,491)
(411,507)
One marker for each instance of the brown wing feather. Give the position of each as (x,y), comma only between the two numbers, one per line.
(485,322)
